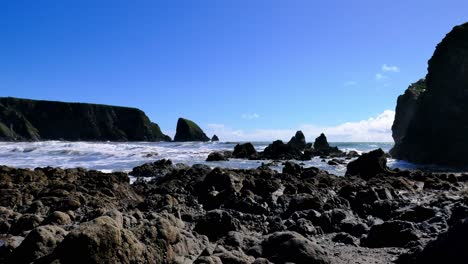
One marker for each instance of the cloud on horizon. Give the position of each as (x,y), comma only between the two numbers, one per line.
(374,129)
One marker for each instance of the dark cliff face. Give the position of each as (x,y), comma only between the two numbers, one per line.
(187,130)
(405,109)
(23,119)
(437,133)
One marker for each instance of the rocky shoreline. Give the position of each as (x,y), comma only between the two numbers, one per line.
(202,215)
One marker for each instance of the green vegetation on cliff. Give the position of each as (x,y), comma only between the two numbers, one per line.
(24,119)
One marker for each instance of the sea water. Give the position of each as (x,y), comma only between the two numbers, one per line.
(123,156)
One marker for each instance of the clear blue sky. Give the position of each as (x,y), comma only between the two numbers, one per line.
(245,64)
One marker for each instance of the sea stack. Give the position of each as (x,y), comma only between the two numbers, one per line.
(214,138)
(31,120)
(321,143)
(187,130)
(437,129)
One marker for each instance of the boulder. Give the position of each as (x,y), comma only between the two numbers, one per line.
(391,234)
(283,247)
(244,151)
(101,240)
(219,156)
(216,224)
(187,130)
(369,165)
(450,246)
(156,169)
(40,242)
(282,151)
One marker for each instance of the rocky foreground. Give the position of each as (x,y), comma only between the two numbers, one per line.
(202,215)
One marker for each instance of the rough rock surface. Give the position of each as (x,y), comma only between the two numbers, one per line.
(437,131)
(24,119)
(202,215)
(187,130)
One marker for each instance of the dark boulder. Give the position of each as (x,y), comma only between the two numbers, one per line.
(156,169)
(244,151)
(216,224)
(391,234)
(369,165)
(436,133)
(450,246)
(214,138)
(187,130)
(281,151)
(291,247)
(219,156)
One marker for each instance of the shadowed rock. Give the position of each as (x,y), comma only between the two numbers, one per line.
(187,130)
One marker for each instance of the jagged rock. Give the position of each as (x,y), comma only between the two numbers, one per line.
(187,130)
(321,143)
(369,165)
(450,246)
(214,138)
(436,133)
(298,141)
(24,119)
(244,151)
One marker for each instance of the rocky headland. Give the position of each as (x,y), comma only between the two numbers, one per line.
(431,119)
(202,215)
(32,120)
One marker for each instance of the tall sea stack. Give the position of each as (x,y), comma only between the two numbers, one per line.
(187,130)
(30,120)
(431,126)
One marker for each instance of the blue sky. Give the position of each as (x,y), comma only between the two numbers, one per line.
(243,69)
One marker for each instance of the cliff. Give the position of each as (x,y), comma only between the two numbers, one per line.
(187,130)
(24,119)
(436,133)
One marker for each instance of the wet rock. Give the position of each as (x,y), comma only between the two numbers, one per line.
(369,165)
(321,143)
(244,151)
(219,156)
(281,151)
(58,218)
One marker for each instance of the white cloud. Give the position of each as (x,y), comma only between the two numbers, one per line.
(250,116)
(374,129)
(388,68)
(380,77)
(350,83)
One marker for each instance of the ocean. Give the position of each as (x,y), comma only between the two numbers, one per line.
(123,156)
